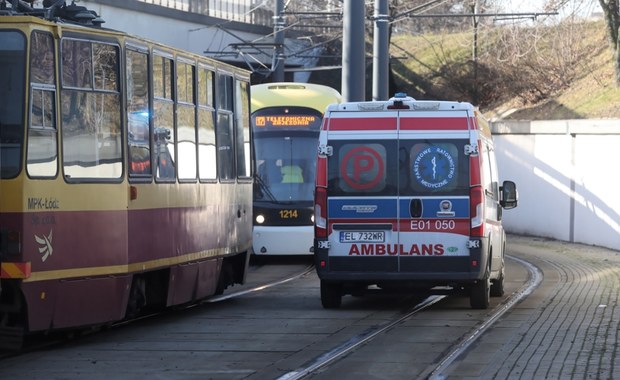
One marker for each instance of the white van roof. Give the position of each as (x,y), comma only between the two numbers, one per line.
(402,101)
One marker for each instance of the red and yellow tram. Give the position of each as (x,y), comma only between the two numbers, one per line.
(125,172)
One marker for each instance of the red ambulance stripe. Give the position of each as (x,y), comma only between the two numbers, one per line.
(362,124)
(474,169)
(321,172)
(325,124)
(433,123)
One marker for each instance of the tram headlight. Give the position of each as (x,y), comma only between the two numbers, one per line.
(312,218)
(260,219)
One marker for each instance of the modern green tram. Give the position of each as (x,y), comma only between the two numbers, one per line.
(286,120)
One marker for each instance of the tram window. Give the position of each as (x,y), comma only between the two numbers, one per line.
(225,147)
(43,111)
(185,83)
(242,124)
(12,79)
(205,87)
(42,159)
(163,120)
(91,122)
(138,129)
(224,92)
(42,58)
(91,130)
(42,149)
(42,153)
(105,62)
(207,153)
(186,122)
(162,77)
(76,64)
(207,156)
(163,149)
(186,146)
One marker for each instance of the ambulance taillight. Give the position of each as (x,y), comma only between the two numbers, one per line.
(320,213)
(476,211)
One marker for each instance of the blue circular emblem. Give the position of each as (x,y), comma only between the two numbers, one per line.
(434,167)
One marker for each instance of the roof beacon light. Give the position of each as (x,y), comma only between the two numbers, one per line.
(398,101)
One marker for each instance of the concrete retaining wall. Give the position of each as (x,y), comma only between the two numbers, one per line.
(568,176)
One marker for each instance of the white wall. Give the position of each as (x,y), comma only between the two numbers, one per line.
(186,35)
(568,177)
(199,34)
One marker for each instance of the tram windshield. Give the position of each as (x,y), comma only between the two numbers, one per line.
(12,79)
(285,146)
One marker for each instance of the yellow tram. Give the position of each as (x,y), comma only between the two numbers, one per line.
(126,172)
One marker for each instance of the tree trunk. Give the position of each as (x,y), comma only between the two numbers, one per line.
(617,63)
(612,22)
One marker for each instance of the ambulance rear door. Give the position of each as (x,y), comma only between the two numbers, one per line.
(363,194)
(433,193)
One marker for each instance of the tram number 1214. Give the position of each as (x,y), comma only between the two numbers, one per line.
(289,214)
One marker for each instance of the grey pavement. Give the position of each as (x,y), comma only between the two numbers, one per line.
(568,328)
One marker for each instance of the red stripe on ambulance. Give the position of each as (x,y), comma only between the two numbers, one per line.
(433,123)
(362,124)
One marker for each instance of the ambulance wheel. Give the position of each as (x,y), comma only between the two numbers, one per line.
(497,286)
(480,295)
(331,295)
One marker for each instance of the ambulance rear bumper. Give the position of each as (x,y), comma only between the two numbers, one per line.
(371,269)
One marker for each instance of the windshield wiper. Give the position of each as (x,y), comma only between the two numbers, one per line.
(264,189)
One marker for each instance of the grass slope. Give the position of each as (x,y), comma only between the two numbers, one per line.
(535,73)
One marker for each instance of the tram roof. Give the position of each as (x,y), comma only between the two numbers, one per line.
(292,94)
(24,21)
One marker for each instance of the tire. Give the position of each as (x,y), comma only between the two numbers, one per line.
(497,286)
(331,295)
(480,295)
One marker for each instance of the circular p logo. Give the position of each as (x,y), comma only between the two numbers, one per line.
(362,167)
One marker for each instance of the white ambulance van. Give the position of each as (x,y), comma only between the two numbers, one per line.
(408,198)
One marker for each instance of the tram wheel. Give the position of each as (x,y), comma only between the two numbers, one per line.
(331,295)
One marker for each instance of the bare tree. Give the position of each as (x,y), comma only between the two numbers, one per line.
(612,21)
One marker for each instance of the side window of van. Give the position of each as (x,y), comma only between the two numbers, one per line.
(489,172)
(358,167)
(494,181)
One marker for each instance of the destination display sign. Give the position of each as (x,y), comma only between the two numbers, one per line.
(285,121)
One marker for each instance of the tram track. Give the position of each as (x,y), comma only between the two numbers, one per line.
(535,279)
(436,371)
(276,329)
(258,288)
(357,341)
(56,339)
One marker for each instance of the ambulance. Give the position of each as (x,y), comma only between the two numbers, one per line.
(408,198)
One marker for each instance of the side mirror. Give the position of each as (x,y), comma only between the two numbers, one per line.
(510,196)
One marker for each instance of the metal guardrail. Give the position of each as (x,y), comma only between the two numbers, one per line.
(246,11)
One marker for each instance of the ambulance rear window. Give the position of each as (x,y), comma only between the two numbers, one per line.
(435,167)
(363,167)
(398,167)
